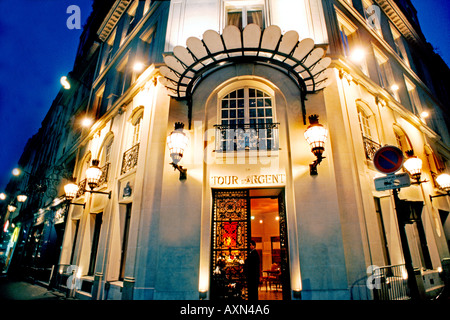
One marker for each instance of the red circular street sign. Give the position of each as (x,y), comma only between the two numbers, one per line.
(388,159)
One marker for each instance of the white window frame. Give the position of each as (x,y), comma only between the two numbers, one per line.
(244,7)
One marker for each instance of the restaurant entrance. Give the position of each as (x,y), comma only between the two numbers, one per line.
(239,216)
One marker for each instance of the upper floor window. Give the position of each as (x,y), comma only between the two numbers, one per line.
(241,14)
(123,77)
(132,20)
(109,46)
(247,121)
(351,46)
(399,46)
(385,75)
(414,99)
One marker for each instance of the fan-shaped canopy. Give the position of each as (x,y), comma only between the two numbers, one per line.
(300,60)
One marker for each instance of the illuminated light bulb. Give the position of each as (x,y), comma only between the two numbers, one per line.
(138,66)
(424,114)
(395,87)
(65,82)
(86,122)
(357,55)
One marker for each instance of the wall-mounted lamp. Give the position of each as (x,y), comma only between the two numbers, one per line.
(395,87)
(65,82)
(443,181)
(316,135)
(414,166)
(22,198)
(71,190)
(93,175)
(177,142)
(358,55)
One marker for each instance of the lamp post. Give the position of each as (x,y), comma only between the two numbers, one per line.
(316,136)
(177,142)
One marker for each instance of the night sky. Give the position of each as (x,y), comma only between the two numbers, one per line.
(37,48)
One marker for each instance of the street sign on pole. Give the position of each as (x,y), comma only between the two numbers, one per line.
(388,159)
(392,181)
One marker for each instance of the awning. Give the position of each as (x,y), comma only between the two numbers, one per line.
(301,60)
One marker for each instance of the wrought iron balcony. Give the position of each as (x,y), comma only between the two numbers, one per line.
(130,159)
(81,188)
(255,136)
(370,147)
(104,176)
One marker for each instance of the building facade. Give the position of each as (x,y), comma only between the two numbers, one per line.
(247,79)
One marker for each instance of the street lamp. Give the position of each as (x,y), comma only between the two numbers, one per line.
(316,136)
(93,174)
(22,198)
(65,82)
(443,180)
(71,190)
(357,55)
(414,166)
(177,142)
(11,207)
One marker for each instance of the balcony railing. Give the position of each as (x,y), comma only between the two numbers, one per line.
(130,159)
(257,136)
(104,176)
(370,147)
(390,283)
(81,188)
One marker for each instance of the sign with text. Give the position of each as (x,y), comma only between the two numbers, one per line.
(392,181)
(255,179)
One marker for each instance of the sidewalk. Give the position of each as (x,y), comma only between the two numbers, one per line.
(16,289)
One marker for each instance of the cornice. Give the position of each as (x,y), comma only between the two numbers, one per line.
(112,18)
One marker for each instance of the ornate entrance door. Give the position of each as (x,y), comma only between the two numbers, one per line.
(231,234)
(230,237)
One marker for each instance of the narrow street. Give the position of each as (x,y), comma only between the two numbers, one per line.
(16,289)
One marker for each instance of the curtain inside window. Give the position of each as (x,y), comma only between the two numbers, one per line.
(235,19)
(255,16)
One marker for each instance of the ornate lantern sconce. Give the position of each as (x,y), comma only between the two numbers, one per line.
(414,166)
(177,142)
(443,181)
(316,135)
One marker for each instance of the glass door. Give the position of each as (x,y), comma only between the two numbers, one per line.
(239,218)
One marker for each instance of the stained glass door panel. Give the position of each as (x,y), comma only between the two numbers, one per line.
(231,223)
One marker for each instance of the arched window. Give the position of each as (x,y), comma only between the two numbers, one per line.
(368,129)
(435,163)
(137,130)
(130,156)
(364,123)
(402,139)
(247,120)
(105,157)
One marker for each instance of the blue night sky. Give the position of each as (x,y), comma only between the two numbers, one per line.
(37,48)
